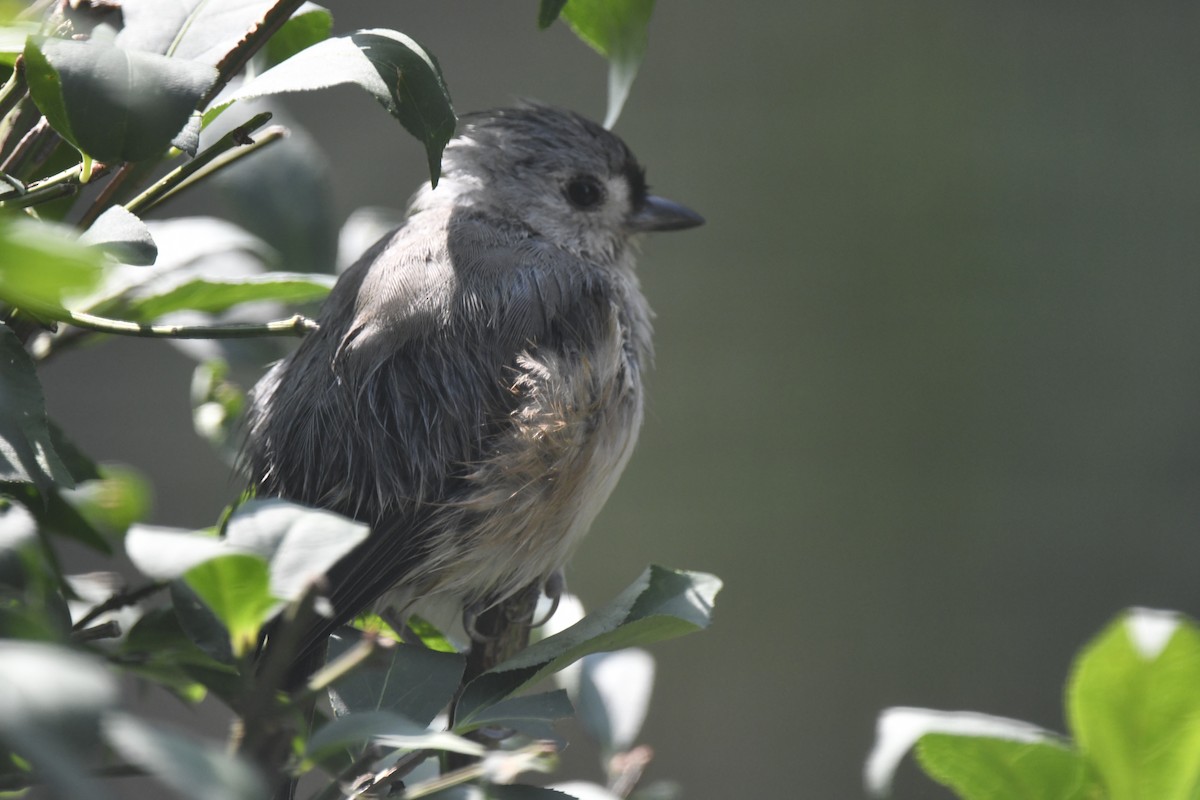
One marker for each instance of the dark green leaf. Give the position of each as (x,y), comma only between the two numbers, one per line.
(123,236)
(617,30)
(982,768)
(41,266)
(237,588)
(1133,704)
(393,68)
(542,707)
(18,544)
(113,104)
(26,453)
(387,728)
(196,30)
(217,294)
(78,464)
(192,769)
(548,11)
(414,682)
(661,604)
(309,25)
(157,648)
(200,624)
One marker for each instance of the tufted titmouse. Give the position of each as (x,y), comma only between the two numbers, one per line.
(475,388)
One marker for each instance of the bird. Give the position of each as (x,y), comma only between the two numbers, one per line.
(475,387)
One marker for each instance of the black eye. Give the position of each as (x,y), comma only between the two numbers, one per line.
(585,192)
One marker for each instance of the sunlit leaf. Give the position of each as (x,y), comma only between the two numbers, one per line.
(617,30)
(217,294)
(41,267)
(661,604)
(983,768)
(237,588)
(1133,704)
(899,729)
(400,74)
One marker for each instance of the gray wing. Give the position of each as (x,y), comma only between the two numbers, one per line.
(408,382)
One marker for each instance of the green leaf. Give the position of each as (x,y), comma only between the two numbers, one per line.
(237,588)
(200,624)
(899,729)
(982,768)
(123,236)
(387,728)
(1133,704)
(548,11)
(661,604)
(41,267)
(617,30)
(309,25)
(414,682)
(542,707)
(213,295)
(158,649)
(26,454)
(192,769)
(400,74)
(51,699)
(113,104)
(300,544)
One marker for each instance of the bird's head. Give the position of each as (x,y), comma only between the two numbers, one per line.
(558,174)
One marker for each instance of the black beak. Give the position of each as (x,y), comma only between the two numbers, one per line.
(661,214)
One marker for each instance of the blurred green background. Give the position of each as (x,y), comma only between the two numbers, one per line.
(927,382)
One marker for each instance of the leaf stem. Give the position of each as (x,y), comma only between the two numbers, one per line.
(15,88)
(177,178)
(296,325)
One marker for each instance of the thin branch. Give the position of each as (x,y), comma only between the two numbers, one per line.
(194,170)
(43,194)
(119,600)
(107,630)
(12,165)
(295,325)
(15,88)
(107,195)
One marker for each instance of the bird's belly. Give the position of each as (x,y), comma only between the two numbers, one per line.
(532,500)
